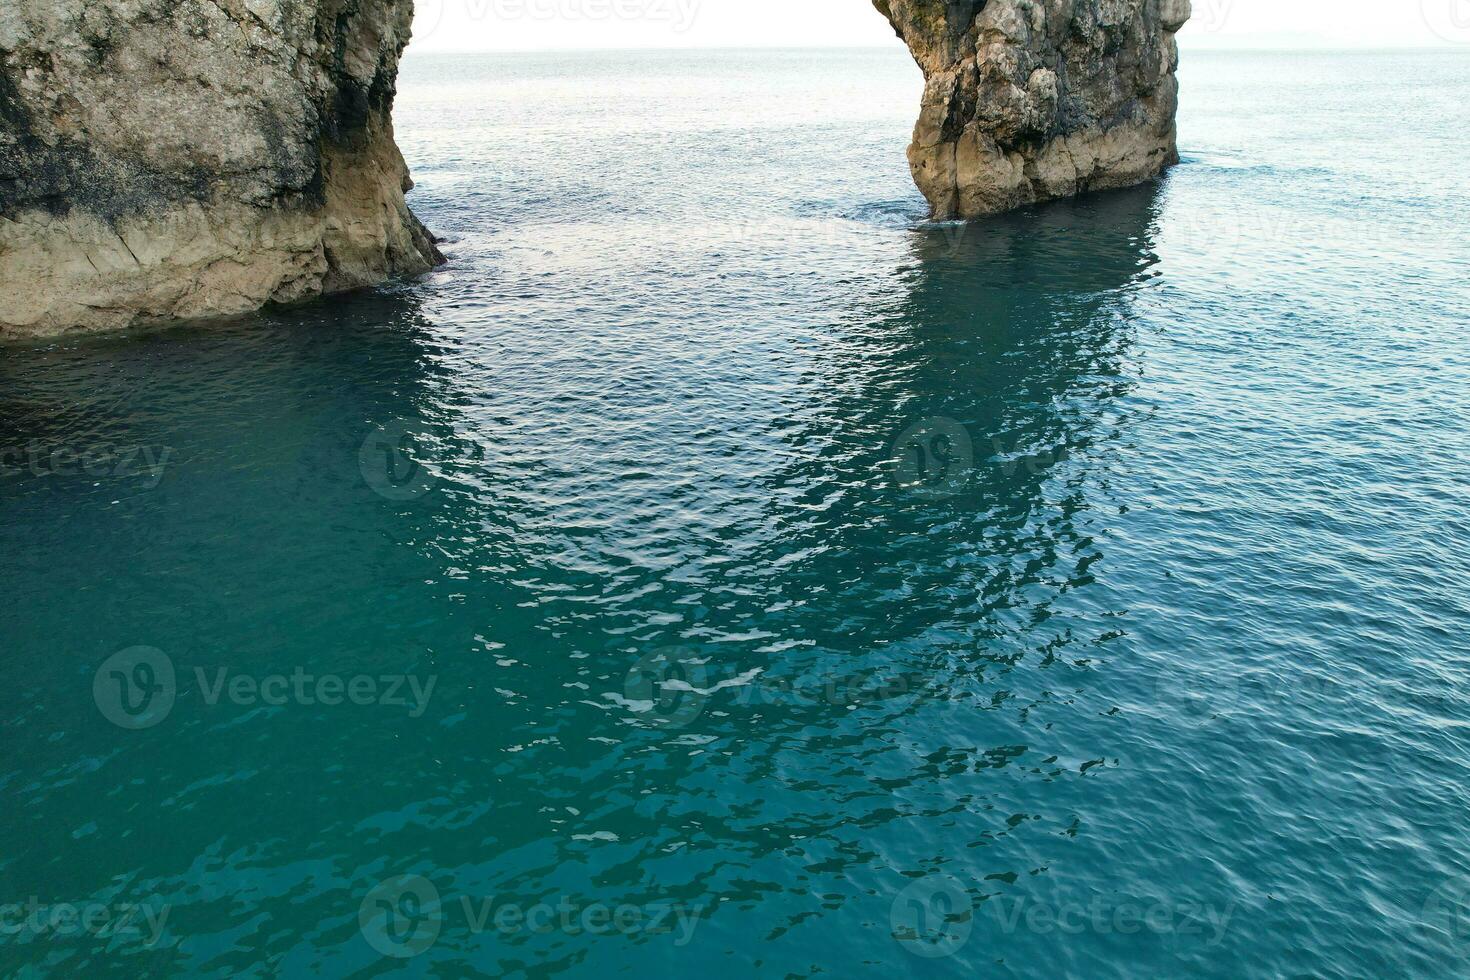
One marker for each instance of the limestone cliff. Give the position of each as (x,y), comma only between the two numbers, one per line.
(195,158)
(1029,100)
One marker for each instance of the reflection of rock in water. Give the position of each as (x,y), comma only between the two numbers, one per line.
(978,610)
(255,420)
(886,711)
(1016,322)
(172,379)
(1018,330)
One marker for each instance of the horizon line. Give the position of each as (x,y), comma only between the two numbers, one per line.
(1188,45)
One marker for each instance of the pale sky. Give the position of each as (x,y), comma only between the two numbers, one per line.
(473,25)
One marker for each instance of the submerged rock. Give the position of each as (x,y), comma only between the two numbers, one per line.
(167,159)
(1030,100)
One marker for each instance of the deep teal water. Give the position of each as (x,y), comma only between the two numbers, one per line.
(747,578)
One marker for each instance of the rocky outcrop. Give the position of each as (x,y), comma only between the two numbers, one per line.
(165,159)
(1030,100)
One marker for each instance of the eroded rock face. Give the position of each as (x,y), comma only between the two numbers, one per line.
(165,159)
(194,158)
(1029,100)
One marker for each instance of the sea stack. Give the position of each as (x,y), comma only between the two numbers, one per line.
(173,159)
(1031,100)
(187,159)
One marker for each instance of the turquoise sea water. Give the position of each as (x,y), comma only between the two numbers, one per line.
(718,571)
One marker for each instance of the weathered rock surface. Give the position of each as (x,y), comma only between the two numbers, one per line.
(195,158)
(1030,100)
(165,159)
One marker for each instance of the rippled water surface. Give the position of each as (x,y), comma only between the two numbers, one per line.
(718,571)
